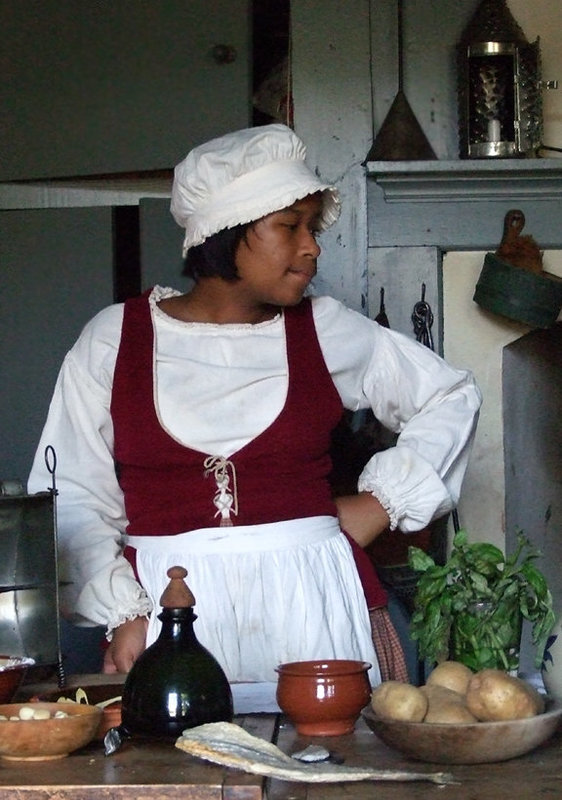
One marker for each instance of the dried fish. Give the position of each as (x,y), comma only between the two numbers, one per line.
(230,745)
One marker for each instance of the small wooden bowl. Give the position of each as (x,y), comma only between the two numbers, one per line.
(47,739)
(323,698)
(111,714)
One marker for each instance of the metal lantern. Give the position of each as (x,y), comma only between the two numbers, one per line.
(499,86)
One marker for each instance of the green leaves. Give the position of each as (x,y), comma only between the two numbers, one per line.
(475,602)
(419,559)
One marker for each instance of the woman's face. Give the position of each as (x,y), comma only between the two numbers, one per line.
(277,258)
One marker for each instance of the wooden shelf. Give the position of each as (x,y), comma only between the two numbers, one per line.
(470,180)
(461,205)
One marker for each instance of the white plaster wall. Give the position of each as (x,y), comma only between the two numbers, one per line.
(475,338)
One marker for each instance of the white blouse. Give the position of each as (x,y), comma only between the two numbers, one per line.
(217,387)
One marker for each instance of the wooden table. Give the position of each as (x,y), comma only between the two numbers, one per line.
(536,775)
(140,770)
(144,770)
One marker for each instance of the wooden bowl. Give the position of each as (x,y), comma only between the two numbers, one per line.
(98,693)
(323,698)
(46,739)
(12,671)
(469,742)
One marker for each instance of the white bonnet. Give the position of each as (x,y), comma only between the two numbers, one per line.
(241,177)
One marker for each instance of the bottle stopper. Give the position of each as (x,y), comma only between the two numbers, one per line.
(177,593)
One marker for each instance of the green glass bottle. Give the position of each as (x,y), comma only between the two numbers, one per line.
(176,683)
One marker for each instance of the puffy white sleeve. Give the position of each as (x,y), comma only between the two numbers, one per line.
(432,406)
(98,586)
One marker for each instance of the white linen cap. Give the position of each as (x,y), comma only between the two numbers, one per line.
(241,177)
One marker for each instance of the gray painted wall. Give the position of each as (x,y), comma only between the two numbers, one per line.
(345,68)
(532,406)
(94,88)
(161,246)
(60,268)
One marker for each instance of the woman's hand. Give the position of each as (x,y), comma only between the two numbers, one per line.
(127,644)
(362,517)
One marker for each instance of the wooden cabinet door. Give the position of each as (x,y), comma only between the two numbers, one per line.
(118,85)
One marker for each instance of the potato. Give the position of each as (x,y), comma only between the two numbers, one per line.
(452,675)
(437,694)
(396,700)
(449,714)
(494,695)
(445,705)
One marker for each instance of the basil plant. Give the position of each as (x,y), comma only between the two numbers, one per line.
(471,608)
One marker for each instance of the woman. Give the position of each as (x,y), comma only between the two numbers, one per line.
(194,429)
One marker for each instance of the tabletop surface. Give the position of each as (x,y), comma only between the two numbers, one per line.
(535,775)
(157,770)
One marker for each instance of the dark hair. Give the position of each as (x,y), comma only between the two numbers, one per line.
(216,257)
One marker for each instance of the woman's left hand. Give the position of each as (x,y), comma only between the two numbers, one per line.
(362,517)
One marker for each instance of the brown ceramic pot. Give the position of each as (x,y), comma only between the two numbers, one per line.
(323,698)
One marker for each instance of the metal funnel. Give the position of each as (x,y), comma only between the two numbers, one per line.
(400,137)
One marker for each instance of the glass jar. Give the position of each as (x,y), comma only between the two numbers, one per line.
(487,635)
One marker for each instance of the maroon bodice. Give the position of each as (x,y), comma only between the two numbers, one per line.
(281,474)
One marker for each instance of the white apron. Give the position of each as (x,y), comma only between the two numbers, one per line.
(265,594)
